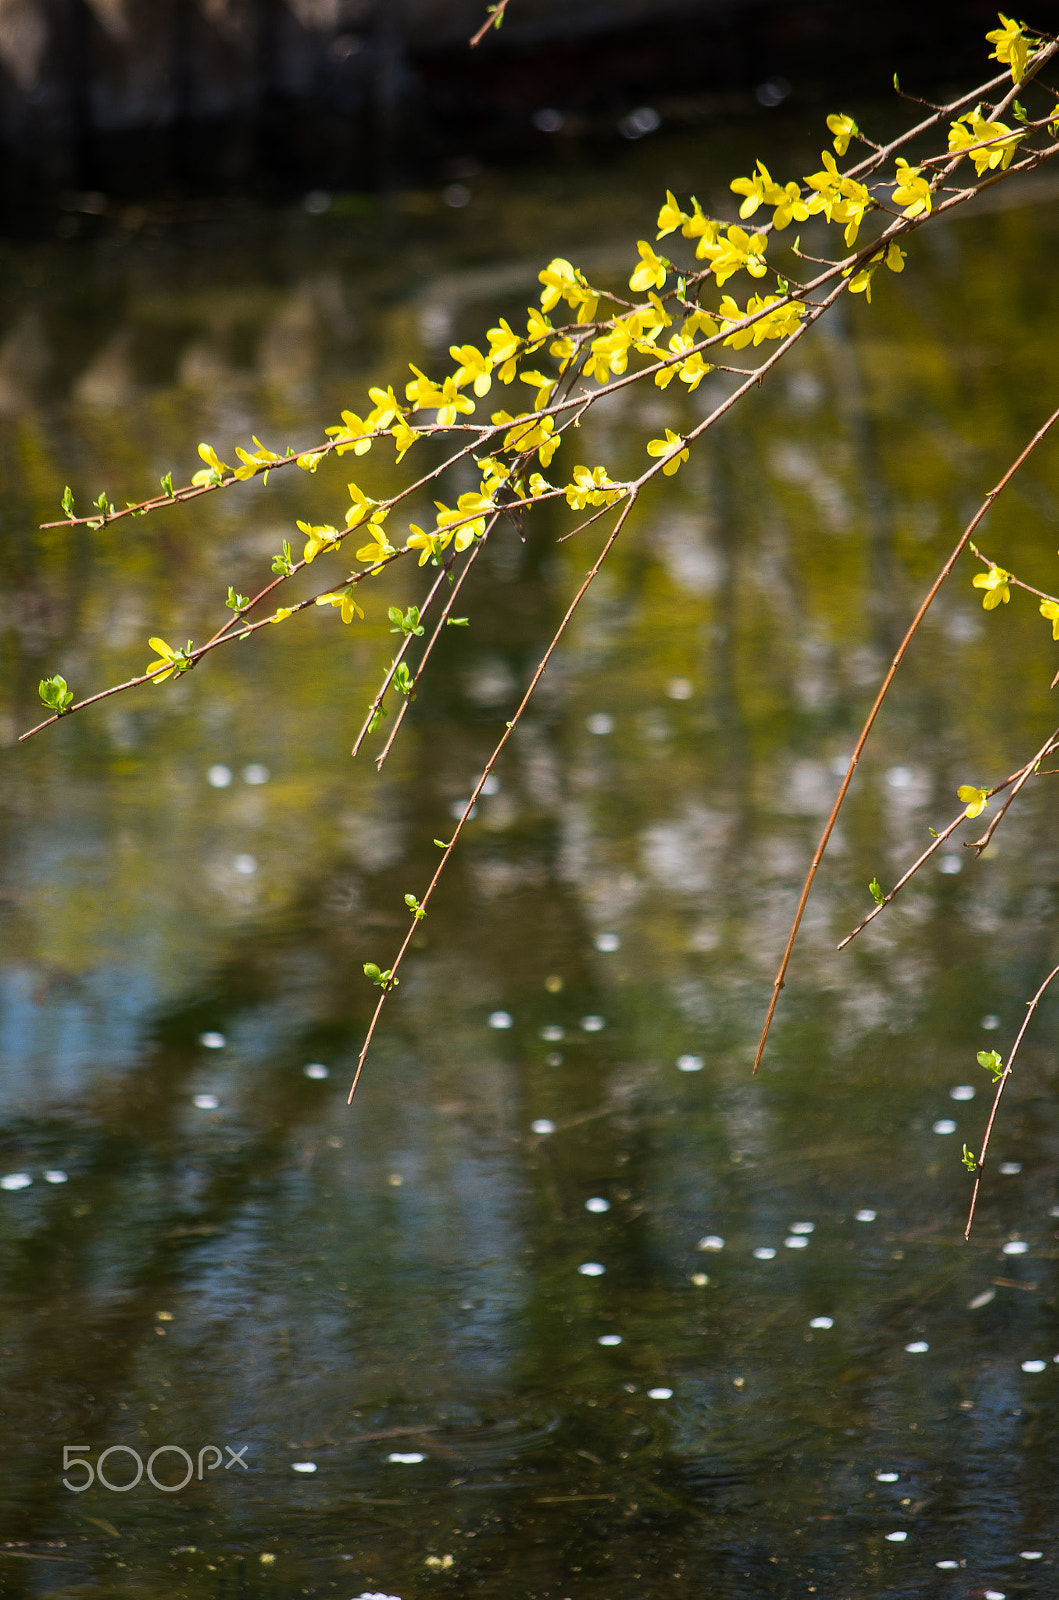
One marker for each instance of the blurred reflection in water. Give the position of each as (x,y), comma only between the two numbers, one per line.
(569,1304)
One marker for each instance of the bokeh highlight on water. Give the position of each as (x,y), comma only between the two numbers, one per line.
(568,1304)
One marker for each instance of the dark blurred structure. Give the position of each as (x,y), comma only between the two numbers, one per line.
(137,98)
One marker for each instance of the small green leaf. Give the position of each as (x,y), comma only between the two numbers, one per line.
(443,844)
(55,694)
(897,86)
(457,622)
(236,602)
(934,834)
(68,501)
(992,1062)
(968,1160)
(875,890)
(166,480)
(282,564)
(1020,112)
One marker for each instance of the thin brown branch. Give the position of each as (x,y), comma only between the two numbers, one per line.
(487,769)
(1001,1084)
(398,658)
(432,641)
(902,650)
(1024,776)
(494,19)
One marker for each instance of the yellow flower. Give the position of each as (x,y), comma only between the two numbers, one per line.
(663,447)
(998,142)
(360,508)
(693,370)
(651,273)
(379,548)
(738,250)
(474,368)
(543,385)
(282,614)
(592,486)
(318,538)
(995,583)
(171,659)
(216,468)
(343,598)
(844,129)
(504,348)
(895,256)
(451,403)
(911,191)
(422,391)
(425,542)
(558,278)
(386,408)
(253,464)
(977,799)
(470,505)
(1050,612)
(670,218)
(537,325)
(354,434)
(404,437)
(755,188)
(788,205)
(701,228)
(1011,47)
(841,199)
(309,460)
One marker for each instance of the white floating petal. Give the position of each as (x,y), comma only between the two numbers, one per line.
(245,865)
(712,1241)
(897,1538)
(1031,1555)
(866,1215)
(600,722)
(316,1069)
(690,1063)
(797,1241)
(212,1041)
(918,1347)
(822,1322)
(592,1024)
(219,776)
(591,1269)
(990,1023)
(56,1175)
(1035,1366)
(500,1019)
(994,1594)
(947,1566)
(680,689)
(659,1394)
(553,1033)
(205,1102)
(255,774)
(543,1125)
(764,1252)
(1015,1247)
(981,1300)
(608,943)
(609,1338)
(887,1477)
(802,1227)
(944,1125)
(16,1180)
(406,1458)
(597,1204)
(303,1466)
(962,1091)
(1010,1169)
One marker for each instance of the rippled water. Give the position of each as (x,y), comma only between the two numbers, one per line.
(568,1304)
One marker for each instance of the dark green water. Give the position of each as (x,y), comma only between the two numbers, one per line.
(392,1293)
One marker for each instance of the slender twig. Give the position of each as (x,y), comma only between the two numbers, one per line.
(980,844)
(1031,1007)
(494,19)
(487,769)
(902,649)
(432,641)
(939,839)
(398,658)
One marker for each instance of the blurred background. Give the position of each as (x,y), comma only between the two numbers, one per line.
(568,1305)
